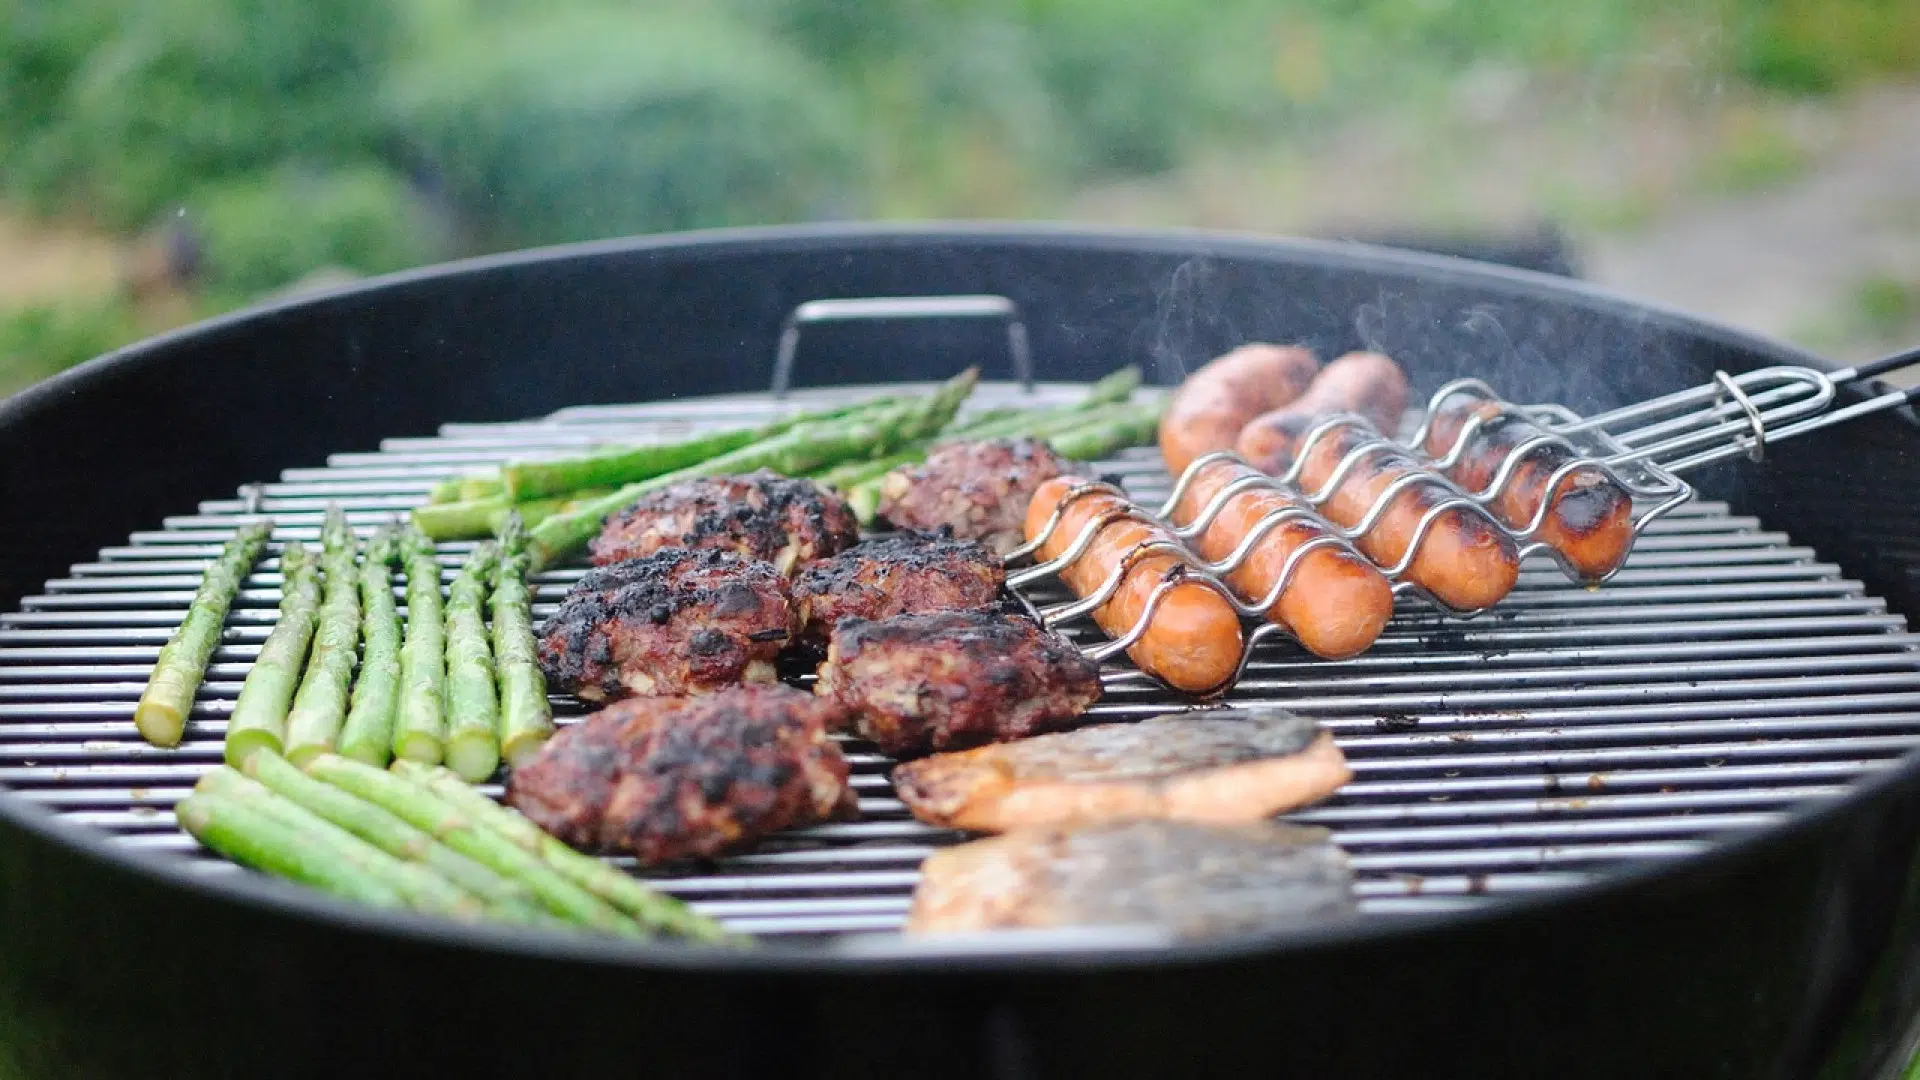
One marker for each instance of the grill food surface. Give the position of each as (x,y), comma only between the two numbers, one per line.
(1725,677)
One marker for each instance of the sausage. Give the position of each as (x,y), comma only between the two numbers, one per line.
(1465,559)
(1194,640)
(1208,411)
(1366,383)
(1591,521)
(1336,603)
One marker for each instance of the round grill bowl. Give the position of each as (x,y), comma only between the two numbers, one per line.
(1782,952)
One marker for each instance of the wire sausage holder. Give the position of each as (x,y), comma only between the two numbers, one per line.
(1643,448)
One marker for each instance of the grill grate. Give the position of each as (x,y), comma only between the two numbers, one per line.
(1724,677)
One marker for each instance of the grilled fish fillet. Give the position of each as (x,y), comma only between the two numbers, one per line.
(1222,767)
(1190,880)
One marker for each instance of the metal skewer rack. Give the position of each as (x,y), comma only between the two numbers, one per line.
(1643,448)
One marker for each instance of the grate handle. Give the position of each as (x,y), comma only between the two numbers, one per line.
(872,308)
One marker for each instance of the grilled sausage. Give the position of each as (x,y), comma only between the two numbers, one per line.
(1366,383)
(1465,559)
(1591,521)
(1336,604)
(1214,403)
(1193,641)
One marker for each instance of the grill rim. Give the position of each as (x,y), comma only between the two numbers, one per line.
(1723,857)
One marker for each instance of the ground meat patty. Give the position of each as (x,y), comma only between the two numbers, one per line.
(979,489)
(952,679)
(677,621)
(671,778)
(907,572)
(761,515)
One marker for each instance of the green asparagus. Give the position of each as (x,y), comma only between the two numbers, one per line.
(248,835)
(320,705)
(459,520)
(1131,425)
(1033,423)
(419,722)
(547,476)
(368,735)
(419,887)
(653,909)
(538,510)
(473,703)
(504,899)
(526,719)
(259,720)
(799,450)
(1090,433)
(161,715)
(423,810)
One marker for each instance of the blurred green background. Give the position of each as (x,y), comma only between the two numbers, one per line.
(163,162)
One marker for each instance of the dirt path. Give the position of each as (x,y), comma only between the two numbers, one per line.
(49,262)
(1791,261)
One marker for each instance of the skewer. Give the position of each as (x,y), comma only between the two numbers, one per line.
(1671,434)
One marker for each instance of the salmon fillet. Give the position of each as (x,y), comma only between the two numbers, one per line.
(1189,880)
(1221,767)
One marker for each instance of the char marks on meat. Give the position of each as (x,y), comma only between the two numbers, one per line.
(953,679)
(1189,880)
(1221,767)
(676,621)
(761,515)
(978,489)
(672,778)
(905,573)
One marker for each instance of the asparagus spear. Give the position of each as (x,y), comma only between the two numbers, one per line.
(244,833)
(1132,425)
(538,510)
(504,899)
(458,520)
(850,473)
(1112,388)
(320,706)
(368,735)
(473,703)
(474,518)
(423,810)
(417,887)
(161,715)
(654,910)
(1090,433)
(477,485)
(492,485)
(799,450)
(526,480)
(419,724)
(259,719)
(526,719)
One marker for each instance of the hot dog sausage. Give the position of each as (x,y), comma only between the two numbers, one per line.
(1366,383)
(1465,559)
(1208,411)
(1591,520)
(1336,603)
(1193,642)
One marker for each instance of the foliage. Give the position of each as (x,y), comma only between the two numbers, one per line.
(133,106)
(1812,46)
(42,339)
(263,231)
(597,122)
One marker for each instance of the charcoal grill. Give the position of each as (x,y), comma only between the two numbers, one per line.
(1667,827)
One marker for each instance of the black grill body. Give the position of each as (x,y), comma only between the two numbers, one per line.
(1786,953)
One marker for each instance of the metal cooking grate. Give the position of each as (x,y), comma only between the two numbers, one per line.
(1724,677)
